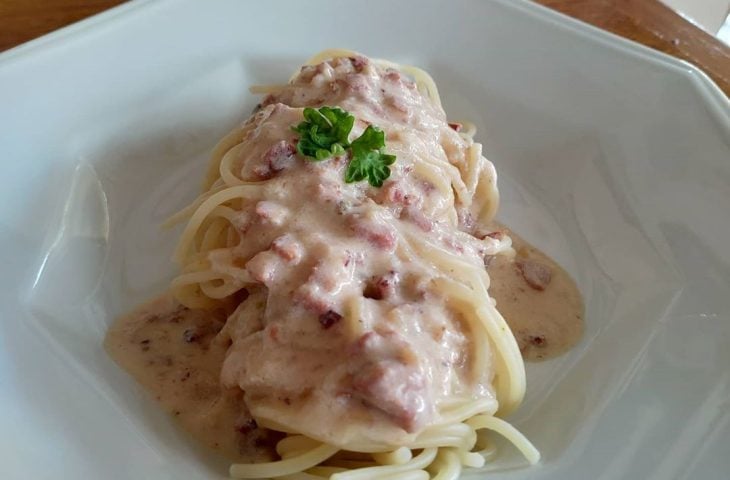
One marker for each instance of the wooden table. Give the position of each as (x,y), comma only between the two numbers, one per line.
(645,21)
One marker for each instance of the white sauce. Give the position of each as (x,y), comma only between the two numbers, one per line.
(345,337)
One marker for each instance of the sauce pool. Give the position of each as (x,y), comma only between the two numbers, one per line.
(176,353)
(540,302)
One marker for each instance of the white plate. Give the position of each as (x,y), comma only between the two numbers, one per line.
(613,158)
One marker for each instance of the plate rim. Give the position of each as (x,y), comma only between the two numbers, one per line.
(700,81)
(136,10)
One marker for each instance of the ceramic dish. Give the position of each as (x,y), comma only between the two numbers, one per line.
(612,158)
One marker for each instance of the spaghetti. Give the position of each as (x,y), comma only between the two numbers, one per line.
(378,351)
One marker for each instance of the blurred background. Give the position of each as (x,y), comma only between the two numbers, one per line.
(711,15)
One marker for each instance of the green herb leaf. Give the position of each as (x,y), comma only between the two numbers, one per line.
(324,132)
(368,160)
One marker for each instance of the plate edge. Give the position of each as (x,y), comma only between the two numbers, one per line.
(701,83)
(51,40)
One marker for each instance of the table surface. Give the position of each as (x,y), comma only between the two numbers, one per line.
(646,21)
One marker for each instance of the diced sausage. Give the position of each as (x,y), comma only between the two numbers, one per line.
(536,274)
(359,62)
(396,192)
(384,345)
(287,248)
(272,212)
(277,158)
(329,318)
(328,276)
(393,75)
(395,389)
(263,267)
(357,85)
(329,191)
(317,293)
(379,234)
(313,298)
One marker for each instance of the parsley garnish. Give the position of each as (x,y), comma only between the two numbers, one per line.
(324,134)
(368,160)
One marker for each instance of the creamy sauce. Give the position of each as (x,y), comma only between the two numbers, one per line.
(177,353)
(547,322)
(357,346)
(343,332)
